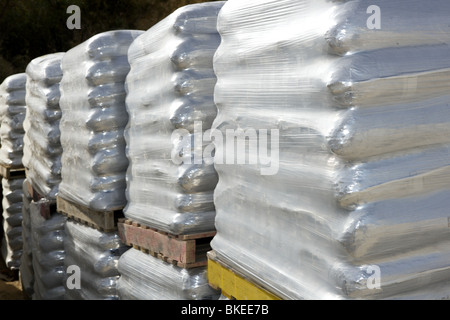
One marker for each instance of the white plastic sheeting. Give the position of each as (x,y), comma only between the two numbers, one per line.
(170,87)
(26,260)
(12,115)
(42,147)
(92,257)
(358,207)
(144,277)
(48,252)
(93,120)
(12,243)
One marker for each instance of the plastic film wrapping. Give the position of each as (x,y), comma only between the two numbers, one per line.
(144,277)
(12,244)
(12,115)
(48,253)
(26,260)
(96,254)
(170,87)
(93,120)
(42,147)
(360,186)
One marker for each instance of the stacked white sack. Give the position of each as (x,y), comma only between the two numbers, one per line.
(12,115)
(169,89)
(26,260)
(48,253)
(12,243)
(93,120)
(356,206)
(164,281)
(42,147)
(96,254)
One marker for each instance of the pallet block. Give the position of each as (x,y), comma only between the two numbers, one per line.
(12,173)
(185,251)
(105,221)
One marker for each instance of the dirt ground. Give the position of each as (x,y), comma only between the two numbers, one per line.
(11,290)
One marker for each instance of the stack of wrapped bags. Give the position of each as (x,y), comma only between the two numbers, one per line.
(42,147)
(93,160)
(358,208)
(170,104)
(93,121)
(12,115)
(48,253)
(12,244)
(96,254)
(26,260)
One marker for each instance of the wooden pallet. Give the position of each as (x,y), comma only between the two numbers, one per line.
(48,208)
(184,251)
(105,221)
(12,173)
(233,284)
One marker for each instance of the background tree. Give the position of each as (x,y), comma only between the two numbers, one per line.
(32,28)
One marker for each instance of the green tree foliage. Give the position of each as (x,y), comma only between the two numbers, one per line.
(32,28)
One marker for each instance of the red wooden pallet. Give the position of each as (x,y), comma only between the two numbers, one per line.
(185,251)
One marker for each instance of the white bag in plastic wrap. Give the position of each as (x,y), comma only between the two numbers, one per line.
(42,147)
(48,253)
(93,120)
(358,207)
(26,260)
(144,277)
(96,255)
(12,222)
(12,115)
(170,87)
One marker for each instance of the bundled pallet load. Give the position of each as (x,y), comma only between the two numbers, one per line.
(42,147)
(170,185)
(93,121)
(12,115)
(26,260)
(12,244)
(352,105)
(48,252)
(91,262)
(144,277)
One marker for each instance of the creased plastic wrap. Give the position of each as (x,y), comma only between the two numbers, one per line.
(170,87)
(42,147)
(12,115)
(357,205)
(96,255)
(93,120)
(48,253)
(26,260)
(12,243)
(144,277)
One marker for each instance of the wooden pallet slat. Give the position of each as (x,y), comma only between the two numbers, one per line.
(185,251)
(12,173)
(46,209)
(233,284)
(105,221)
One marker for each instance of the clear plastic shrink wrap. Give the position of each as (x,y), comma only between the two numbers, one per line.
(144,277)
(26,260)
(93,120)
(170,87)
(48,253)
(356,205)
(12,115)
(12,243)
(42,147)
(96,254)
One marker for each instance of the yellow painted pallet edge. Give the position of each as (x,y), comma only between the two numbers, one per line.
(233,285)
